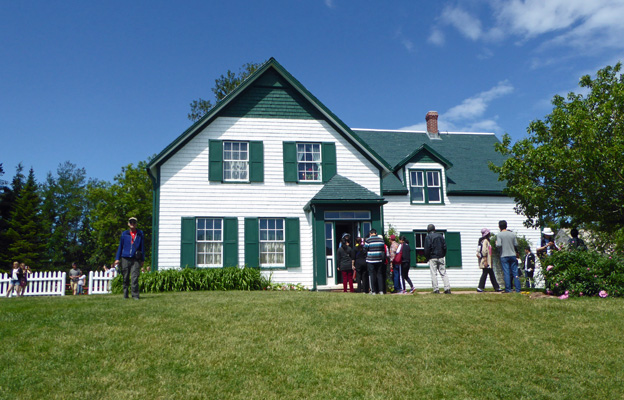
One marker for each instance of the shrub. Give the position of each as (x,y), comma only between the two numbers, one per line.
(584,273)
(193,279)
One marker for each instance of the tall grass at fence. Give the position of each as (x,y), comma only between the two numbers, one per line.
(194,279)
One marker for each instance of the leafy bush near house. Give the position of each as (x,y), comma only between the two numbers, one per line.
(584,273)
(194,279)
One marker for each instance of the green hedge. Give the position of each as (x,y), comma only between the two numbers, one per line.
(584,273)
(193,279)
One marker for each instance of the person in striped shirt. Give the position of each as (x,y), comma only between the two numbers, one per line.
(376,251)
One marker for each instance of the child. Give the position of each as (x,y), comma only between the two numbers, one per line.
(81,282)
(16,276)
(529,267)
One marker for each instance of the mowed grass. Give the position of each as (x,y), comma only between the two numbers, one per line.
(312,345)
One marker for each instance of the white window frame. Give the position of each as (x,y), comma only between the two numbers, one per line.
(235,161)
(207,236)
(428,180)
(272,238)
(309,155)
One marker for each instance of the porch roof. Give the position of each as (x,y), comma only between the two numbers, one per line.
(341,190)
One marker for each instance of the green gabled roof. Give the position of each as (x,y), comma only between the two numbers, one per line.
(341,190)
(257,96)
(467,153)
(393,185)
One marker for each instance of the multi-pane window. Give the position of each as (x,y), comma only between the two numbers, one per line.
(419,246)
(425,187)
(272,248)
(235,161)
(309,162)
(209,242)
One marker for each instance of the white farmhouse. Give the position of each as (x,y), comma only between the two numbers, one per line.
(271,178)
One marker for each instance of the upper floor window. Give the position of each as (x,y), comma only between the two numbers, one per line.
(425,186)
(309,162)
(235,161)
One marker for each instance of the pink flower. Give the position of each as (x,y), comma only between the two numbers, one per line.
(580,294)
(603,293)
(549,268)
(567,292)
(588,269)
(556,284)
(563,296)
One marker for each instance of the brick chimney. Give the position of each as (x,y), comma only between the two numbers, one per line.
(432,124)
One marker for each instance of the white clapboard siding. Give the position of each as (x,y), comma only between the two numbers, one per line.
(41,283)
(464,214)
(186,191)
(100,281)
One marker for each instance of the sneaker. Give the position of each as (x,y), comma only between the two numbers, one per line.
(413,290)
(436,292)
(373,293)
(479,290)
(498,290)
(447,291)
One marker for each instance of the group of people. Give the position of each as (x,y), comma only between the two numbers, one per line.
(19,279)
(77,280)
(368,261)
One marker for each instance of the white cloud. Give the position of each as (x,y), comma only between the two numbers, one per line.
(330,3)
(588,25)
(468,115)
(436,37)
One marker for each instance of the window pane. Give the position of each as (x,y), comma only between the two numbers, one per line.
(434,195)
(309,161)
(209,245)
(271,242)
(235,161)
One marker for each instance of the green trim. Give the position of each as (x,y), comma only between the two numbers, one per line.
(476,193)
(155,217)
(328,161)
(215,160)
(289,151)
(252,242)
(292,236)
(256,161)
(187,242)
(230,242)
(453,249)
(422,150)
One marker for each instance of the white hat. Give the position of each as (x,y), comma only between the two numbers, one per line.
(548,232)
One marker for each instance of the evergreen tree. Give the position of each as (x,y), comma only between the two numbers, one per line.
(25,233)
(8,196)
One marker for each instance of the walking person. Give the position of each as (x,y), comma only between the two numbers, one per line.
(24,279)
(375,255)
(509,256)
(435,251)
(405,263)
(346,262)
(16,275)
(361,269)
(484,255)
(131,255)
(74,273)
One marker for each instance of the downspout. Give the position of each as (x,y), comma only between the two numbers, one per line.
(155,215)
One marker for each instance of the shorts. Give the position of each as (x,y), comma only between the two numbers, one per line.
(15,282)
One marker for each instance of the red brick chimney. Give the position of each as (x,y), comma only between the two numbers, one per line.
(432,122)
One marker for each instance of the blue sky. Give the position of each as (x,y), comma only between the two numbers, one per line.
(104,84)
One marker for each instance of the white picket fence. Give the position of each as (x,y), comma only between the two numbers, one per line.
(49,283)
(100,281)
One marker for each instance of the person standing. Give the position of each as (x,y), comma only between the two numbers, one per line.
(435,251)
(529,267)
(575,242)
(131,255)
(509,256)
(16,275)
(405,263)
(548,244)
(361,269)
(484,255)
(399,286)
(376,252)
(74,273)
(81,283)
(346,262)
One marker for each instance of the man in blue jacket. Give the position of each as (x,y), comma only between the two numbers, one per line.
(131,254)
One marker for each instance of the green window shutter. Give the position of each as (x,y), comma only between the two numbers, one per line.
(256,161)
(252,242)
(329,161)
(453,249)
(187,246)
(230,242)
(412,244)
(290,162)
(215,160)
(293,249)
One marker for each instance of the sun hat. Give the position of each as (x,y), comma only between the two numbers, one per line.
(485,232)
(548,232)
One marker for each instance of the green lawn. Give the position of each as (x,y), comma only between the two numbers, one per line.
(288,345)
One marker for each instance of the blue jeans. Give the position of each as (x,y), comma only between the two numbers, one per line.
(510,268)
(399,285)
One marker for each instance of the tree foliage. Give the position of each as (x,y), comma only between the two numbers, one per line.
(570,170)
(223,86)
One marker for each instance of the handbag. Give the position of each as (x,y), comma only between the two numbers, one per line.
(397,258)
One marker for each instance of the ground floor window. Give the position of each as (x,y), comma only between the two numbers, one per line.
(209,242)
(272,245)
